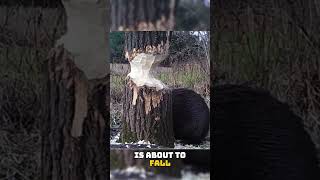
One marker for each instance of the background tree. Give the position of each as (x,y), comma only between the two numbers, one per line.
(143,15)
(116,47)
(193,15)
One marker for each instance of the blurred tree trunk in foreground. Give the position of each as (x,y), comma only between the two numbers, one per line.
(74,144)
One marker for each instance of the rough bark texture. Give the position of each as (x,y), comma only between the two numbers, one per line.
(146,42)
(73,143)
(31,27)
(143,15)
(34,3)
(147,115)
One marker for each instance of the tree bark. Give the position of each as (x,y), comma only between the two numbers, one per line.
(73,135)
(143,15)
(147,104)
(149,42)
(147,115)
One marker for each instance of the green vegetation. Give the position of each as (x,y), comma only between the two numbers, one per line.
(116,41)
(188,76)
(192,15)
(192,76)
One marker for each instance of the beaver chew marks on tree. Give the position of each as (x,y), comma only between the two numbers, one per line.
(74,132)
(147,104)
(143,15)
(140,70)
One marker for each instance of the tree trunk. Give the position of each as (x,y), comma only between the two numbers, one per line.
(143,15)
(147,104)
(156,42)
(73,135)
(147,115)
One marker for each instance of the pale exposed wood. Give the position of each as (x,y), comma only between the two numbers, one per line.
(87,35)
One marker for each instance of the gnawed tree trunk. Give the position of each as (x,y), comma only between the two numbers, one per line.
(147,114)
(143,15)
(153,43)
(147,103)
(73,135)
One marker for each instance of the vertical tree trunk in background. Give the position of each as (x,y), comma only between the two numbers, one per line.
(141,15)
(146,42)
(73,135)
(147,104)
